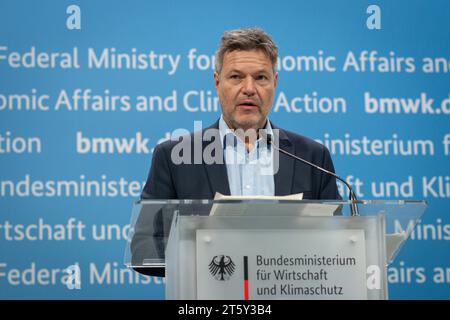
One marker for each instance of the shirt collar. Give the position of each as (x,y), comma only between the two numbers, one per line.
(227,136)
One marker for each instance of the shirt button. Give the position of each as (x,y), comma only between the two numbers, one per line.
(247,186)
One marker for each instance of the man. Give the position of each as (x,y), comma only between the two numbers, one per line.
(244,162)
(245,80)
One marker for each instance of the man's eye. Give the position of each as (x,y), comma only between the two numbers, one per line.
(234,76)
(261,77)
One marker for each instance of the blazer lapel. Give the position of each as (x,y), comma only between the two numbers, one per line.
(218,178)
(286,165)
(217,173)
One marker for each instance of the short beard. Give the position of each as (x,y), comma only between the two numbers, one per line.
(246,125)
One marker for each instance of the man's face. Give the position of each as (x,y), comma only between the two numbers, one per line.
(246,87)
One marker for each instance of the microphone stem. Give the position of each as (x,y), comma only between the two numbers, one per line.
(352,196)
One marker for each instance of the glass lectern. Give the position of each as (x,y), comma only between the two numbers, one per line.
(269,249)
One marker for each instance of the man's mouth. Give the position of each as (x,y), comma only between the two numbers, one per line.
(248,104)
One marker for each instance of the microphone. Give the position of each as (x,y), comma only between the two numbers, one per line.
(352,196)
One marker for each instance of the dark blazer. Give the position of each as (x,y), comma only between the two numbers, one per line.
(167,180)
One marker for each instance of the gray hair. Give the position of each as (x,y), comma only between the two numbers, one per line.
(246,39)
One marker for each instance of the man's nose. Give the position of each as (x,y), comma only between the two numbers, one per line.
(249,88)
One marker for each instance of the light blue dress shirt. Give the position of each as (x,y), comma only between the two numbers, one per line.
(250,173)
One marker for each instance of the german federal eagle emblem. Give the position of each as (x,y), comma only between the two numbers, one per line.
(221,267)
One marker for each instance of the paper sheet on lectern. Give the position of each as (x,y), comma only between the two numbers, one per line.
(305,209)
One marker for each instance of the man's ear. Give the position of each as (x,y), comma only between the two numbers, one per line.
(275,79)
(216,80)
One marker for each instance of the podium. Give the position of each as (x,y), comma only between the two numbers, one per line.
(269,249)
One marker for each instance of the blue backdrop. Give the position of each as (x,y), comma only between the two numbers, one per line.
(129,73)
